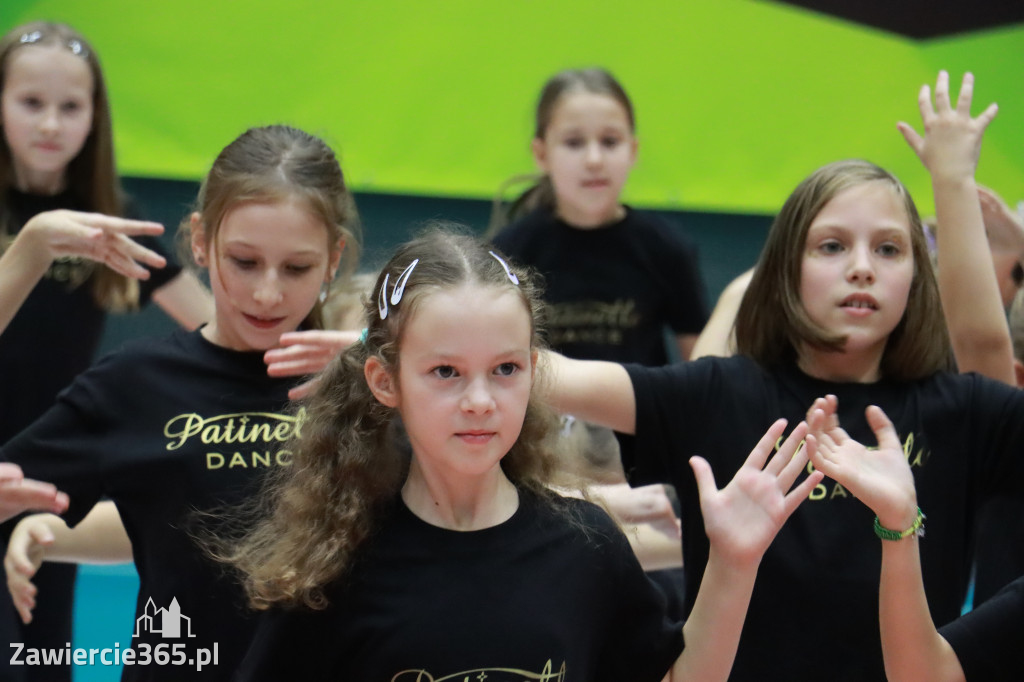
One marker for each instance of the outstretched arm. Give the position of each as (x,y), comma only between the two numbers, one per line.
(592,390)
(970,295)
(53,234)
(741,521)
(881,478)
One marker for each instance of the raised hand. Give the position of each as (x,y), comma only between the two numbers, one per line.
(952,140)
(879,477)
(742,519)
(101,238)
(306,352)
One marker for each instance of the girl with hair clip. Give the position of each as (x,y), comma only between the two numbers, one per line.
(843,301)
(984,645)
(458,560)
(67,256)
(193,421)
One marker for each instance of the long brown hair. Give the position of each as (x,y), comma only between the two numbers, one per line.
(772,324)
(92,175)
(347,465)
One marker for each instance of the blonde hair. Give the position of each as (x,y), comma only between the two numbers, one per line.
(772,324)
(92,175)
(348,465)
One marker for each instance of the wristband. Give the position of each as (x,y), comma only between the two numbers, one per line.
(916,529)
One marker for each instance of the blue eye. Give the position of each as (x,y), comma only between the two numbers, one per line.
(889,250)
(831,247)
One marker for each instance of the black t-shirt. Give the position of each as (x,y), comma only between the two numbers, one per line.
(532,598)
(814,611)
(57,330)
(611,291)
(989,641)
(163,428)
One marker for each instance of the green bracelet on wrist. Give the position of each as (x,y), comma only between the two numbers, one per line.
(916,529)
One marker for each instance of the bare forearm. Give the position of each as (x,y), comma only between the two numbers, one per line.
(21,267)
(597,392)
(712,632)
(99,539)
(967,282)
(913,649)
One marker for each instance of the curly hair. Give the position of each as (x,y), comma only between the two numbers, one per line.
(348,464)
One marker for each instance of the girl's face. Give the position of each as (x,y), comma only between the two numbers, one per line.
(47,105)
(587,150)
(465,373)
(267,265)
(855,278)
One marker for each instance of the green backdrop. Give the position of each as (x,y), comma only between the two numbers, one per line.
(736,100)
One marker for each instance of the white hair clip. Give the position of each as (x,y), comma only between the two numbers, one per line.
(382,299)
(396,294)
(75,46)
(508,270)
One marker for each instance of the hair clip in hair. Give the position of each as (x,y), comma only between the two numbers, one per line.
(382,299)
(396,293)
(508,270)
(74,45)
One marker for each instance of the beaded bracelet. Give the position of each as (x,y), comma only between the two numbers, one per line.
(916,529)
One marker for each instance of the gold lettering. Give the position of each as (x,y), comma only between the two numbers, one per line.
(263,427)
(258,459)
(193,424)
(214,460)
(237,461)
(838,491)
(211,434)
(819,492)
(284,458)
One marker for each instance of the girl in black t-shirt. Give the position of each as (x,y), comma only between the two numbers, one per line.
(60,208)
(843,300)
(272,220)
(458,560)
